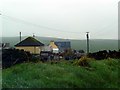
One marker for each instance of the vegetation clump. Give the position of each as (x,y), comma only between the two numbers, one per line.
(11,57)
(83,61)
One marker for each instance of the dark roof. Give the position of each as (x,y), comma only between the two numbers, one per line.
(62,45)
(30,41)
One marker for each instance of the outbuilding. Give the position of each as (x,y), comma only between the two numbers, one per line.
(30,44)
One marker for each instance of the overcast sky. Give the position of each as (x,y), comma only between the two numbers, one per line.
(68,19)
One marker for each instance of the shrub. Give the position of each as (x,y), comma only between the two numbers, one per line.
(35,59)
(83,61)
(14,56)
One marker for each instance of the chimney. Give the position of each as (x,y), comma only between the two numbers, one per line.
(33,35)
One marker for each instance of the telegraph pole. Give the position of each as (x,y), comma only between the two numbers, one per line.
(20,36)
(87,35)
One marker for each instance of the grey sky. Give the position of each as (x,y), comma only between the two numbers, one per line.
(68,19)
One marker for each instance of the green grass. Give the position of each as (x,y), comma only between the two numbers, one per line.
(0,79)
(100,74)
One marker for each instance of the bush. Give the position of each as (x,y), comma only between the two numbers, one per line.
(83,61)
(14,56)
(105,54)
(35,59)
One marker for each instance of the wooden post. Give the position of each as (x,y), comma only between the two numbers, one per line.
(20,36)
(87,35)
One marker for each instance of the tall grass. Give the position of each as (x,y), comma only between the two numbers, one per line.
(102,74)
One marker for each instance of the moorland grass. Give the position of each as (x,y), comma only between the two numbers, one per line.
(64,74)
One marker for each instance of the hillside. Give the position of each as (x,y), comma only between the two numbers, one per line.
(99,74)
(95,44)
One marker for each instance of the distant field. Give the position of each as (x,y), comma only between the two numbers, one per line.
(100,74)
(95,44)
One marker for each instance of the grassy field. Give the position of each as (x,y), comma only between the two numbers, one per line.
(64,74)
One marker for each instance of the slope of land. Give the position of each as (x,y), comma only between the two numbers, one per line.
(100,74)
(95,44)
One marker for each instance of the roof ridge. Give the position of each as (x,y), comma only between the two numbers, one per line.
(30,41)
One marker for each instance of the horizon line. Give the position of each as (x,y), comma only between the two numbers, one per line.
(63,38)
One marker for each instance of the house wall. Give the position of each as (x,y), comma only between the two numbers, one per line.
(31,49)
(55,50)
(54,47)
(47,48)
